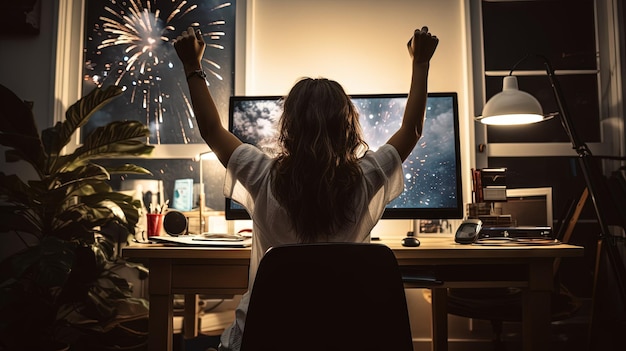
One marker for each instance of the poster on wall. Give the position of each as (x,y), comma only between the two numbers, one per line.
(129,44)
(20,18)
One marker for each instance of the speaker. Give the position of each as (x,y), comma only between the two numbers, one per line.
(175,223)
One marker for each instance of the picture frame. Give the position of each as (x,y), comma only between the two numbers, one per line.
(20,17)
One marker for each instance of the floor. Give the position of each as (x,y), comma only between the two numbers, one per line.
(568,335)
(200,343)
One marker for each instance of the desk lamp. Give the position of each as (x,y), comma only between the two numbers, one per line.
(514,107)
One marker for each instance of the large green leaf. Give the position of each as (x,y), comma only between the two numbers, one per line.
(17,219)
(76,230)
(128,169)
(16,117)
(19,210)
(14,190)
(116,139)
(57,258)
(123,207)
(53,259)
(98,209)
(83,174)
(55,138)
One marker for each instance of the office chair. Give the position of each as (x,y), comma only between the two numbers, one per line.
(504,305)
(328,296)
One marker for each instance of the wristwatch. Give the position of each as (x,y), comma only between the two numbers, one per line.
(200,73)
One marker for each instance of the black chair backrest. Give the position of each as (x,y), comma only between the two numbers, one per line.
(331,296)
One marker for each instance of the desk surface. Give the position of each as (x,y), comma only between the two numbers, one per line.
(224,271)
(430,248)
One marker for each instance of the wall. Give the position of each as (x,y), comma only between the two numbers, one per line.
(27,68)
(362,45)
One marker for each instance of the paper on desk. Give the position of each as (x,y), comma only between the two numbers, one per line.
(200,240)
(508,241)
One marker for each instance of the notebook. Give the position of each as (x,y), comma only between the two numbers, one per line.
(218,240)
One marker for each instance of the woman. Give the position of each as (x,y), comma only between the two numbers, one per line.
(324,186)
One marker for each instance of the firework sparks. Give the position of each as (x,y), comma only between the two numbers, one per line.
(128,44)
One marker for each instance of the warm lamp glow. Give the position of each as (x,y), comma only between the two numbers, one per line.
(511,106)
(511,119)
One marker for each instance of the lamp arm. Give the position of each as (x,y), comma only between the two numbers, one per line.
(594,180)
(566,122)
(577,144)
(582,150)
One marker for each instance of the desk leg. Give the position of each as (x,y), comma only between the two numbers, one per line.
(190,318)
(439,320)
(536,313)
(161,306)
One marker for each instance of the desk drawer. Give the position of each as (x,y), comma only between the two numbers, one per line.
(210,278)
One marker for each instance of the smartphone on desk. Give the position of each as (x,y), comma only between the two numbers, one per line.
(468,230)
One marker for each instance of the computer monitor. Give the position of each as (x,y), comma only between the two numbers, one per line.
(432,172)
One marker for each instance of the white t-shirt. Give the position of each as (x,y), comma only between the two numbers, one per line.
(248,181)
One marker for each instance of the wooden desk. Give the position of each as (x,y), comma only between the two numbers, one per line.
(222,273)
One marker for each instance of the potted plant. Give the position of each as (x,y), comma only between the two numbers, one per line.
(59,282)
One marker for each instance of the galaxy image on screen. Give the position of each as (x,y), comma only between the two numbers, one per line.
(430,171)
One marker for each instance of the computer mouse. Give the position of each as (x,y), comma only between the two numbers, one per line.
(410,241)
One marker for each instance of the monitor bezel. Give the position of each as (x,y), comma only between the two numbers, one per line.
(389,213)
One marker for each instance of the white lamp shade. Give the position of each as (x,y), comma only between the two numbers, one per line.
(511,106)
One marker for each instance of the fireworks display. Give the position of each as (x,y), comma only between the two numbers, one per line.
(129,43)
(430,171)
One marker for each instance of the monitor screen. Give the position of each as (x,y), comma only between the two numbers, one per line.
(432,172)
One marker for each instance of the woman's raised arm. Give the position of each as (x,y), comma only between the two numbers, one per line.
(190,48)
(421,48)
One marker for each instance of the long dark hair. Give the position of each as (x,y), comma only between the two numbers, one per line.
(317,172)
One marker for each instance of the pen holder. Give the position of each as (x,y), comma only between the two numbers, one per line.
(155,224)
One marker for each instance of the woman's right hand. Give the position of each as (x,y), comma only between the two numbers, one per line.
(422,45)
(190,47)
